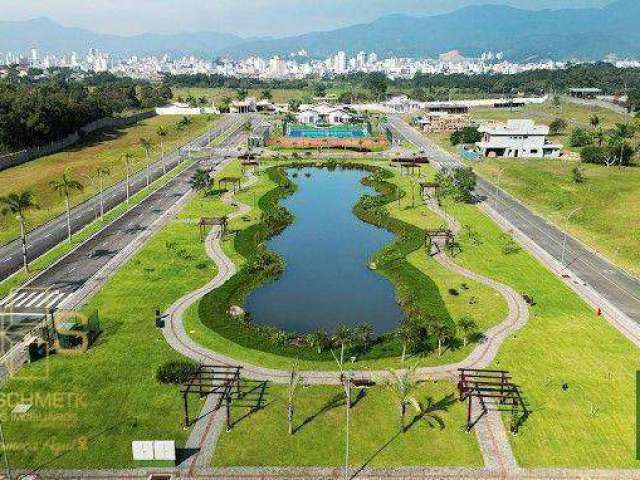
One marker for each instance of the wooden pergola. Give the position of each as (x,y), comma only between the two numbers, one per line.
(234,181)
(437,236)
(205,222)
(250,161)
(494,390)
(430,189)
(409,167)
(220,380)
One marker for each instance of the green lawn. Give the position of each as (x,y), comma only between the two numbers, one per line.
(609,201)
(109,395)
(261,439)
(592,424)
(101,149)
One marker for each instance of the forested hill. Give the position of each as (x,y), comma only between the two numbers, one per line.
(522,34)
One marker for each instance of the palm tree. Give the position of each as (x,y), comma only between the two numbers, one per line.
(200,180)
(18,204)
(364,334)
(64,186)
(468,327)
(402,385)
(318,339)
(295,380)
(442,332)
(599,135)
(102,173)
(162,132)
(127,159)
(146,145)
(343,335)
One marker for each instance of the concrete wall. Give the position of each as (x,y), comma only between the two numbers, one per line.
(17,158)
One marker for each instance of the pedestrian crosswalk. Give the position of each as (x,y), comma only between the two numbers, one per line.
(33,299)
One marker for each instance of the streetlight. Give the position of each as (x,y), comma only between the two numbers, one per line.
(566,226)
(500,172)
(348,379)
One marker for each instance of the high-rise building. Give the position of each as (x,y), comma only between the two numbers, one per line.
(361,60)
(340,65)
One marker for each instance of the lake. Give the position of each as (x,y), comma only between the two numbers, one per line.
(326,281)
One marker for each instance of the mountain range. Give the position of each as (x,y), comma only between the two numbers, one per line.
(587,34)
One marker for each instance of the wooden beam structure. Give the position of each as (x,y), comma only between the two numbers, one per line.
(220,380)
(494,390)
(234,181)
(205,222)
(435,237)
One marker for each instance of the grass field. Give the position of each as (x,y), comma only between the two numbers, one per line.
(592,424)
(609,201)
(375,440)
(88,408)
(103,148)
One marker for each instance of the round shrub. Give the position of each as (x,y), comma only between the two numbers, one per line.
(176,372)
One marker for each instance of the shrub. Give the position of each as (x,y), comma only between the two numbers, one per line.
(558,126)
(577,175)
(580,137)
(176,372)
(466,135)
(594,154)
(454,292)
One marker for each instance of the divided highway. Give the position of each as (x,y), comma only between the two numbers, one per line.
(611,283)
(23,307)
(47,236)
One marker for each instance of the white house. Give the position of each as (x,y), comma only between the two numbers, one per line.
(185,109)
(323,113)
(402,104)
(248,105)
(517,138)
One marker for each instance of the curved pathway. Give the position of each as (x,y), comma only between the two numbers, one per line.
(494,444)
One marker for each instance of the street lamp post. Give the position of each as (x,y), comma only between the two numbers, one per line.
(348,380)
(564,241)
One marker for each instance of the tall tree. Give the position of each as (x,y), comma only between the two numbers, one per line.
(200,180)
(127,160)
(402,384)
(18,204)
(102,173)
(469,328)
(64,186)
(162,132)
(295,381)
(146,145)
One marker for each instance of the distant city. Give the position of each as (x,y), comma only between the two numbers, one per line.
(295,66)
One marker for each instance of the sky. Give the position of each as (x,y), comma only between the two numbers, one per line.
(247,18)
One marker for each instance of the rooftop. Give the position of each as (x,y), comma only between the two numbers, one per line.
(515,127)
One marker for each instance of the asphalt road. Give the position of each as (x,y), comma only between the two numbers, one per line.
(43,238)
(54,285)
(610,282)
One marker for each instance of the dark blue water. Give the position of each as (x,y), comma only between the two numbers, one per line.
(327,281)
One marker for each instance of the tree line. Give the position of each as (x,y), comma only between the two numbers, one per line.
(35,113)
